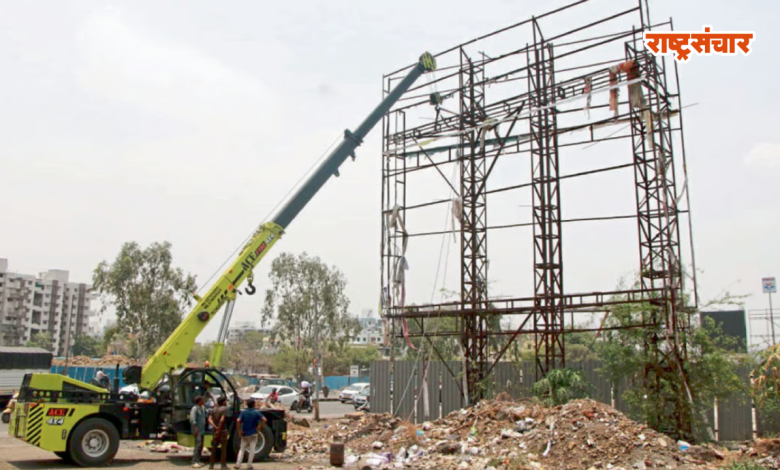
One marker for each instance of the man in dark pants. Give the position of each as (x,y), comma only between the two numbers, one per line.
(198,422)
(219,423)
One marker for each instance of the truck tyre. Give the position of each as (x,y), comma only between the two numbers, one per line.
(265,443)
(93,443)
(6,418)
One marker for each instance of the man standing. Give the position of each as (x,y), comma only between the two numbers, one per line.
(198,422)
(250,422)
(219,422)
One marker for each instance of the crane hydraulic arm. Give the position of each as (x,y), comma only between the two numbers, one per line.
(174,352)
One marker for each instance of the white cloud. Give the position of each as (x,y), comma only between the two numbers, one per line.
(136,68)
(764,155)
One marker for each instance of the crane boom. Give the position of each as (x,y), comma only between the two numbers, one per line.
(174,352)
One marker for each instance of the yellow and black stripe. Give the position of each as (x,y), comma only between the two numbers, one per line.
(34,425)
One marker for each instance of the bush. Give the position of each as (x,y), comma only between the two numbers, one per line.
(561,386)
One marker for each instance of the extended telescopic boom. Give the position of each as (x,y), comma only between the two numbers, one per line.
(174,352)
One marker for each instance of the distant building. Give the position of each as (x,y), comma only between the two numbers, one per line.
(235,333)
(372,330)
(47,302)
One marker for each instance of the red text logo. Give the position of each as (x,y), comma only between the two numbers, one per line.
(681,44)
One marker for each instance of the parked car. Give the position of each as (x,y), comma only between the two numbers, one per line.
(287,395)
(349,392)
(281,382)
(363,399)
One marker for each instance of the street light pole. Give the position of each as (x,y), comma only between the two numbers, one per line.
(769,285)
(771,318)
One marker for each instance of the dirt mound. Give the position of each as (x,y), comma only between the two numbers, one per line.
(583,434)
(104,361)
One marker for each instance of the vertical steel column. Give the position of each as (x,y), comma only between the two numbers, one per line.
(659,242)
(473,173)
(548,261)
(393,194)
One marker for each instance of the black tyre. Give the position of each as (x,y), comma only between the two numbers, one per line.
(265,443)
(6,418)
(94,443)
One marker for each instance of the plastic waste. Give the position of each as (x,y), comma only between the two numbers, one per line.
(683,445)
(376,460)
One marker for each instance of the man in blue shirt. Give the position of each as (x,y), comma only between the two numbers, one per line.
(250,422)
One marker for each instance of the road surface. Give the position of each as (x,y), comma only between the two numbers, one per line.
(17,455)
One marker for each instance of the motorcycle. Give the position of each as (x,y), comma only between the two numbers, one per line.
(302,403)
(9,409)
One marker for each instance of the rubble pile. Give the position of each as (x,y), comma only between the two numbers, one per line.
(93,362)
(583,434)
(765,452)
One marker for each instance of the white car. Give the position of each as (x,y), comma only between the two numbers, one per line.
(349,392)
(287,395)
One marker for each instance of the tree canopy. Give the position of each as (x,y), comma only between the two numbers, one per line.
(146,291)
(307,296)
(246,355)
(41,339)
(85,345)
(635,355)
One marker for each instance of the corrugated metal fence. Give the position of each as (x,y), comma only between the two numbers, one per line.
(396,387)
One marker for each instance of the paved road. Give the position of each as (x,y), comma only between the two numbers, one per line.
(16,455)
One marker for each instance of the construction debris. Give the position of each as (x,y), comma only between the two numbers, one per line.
(111,360)
(765,452)
(497,435)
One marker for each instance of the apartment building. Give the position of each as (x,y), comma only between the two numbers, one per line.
(372,330)
(237,331)
(48,302)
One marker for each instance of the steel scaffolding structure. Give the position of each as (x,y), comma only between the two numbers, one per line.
(538,101)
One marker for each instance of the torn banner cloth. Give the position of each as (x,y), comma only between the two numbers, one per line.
(586,91)
(635,96)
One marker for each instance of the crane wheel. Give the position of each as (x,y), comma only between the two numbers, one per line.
(93,443)
(6,418)
(264,446)
(265,443)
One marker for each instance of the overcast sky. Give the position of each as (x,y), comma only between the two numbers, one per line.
(188,121)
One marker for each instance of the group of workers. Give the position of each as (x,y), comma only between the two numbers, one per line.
(248,426)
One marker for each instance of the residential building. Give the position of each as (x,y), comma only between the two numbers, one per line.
(235,333)
(48,302)
(372,330)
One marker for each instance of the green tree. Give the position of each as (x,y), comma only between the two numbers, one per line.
(766,386)
(200,353)
(560,386)
(307,298)
(42,339)
(85,345)
(109,335)
(340,358)
(285,362)
(146,291)
(246,355)
(641,356)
